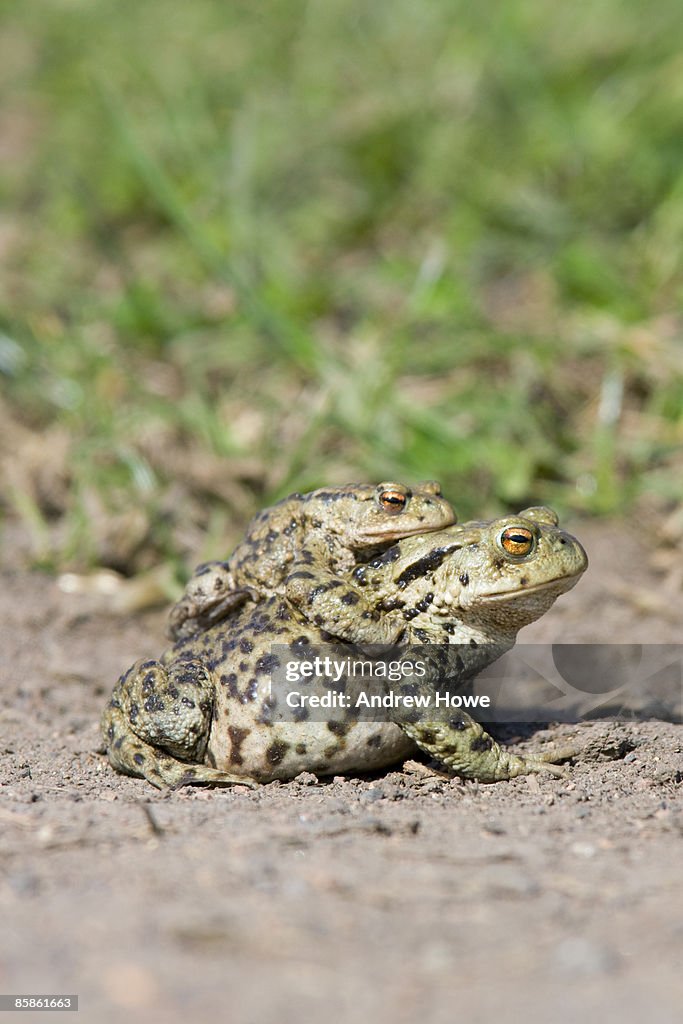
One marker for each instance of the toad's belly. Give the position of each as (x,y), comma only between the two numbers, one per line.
(248,739)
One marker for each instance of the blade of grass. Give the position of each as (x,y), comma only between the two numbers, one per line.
(288,336)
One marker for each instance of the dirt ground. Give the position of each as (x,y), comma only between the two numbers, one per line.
(393,898)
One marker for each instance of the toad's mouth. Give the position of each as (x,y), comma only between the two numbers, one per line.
(450,602)
(381,533)
(567,582)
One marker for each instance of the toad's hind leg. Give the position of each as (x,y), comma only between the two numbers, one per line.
(210,596)
(467,749)
(156,725)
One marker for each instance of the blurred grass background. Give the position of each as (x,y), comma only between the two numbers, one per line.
(251,248)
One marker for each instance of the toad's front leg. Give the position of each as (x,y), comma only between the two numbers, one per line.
(467,750)
(342,609)
(157,723)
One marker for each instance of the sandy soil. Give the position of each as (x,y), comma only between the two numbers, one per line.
(393,898)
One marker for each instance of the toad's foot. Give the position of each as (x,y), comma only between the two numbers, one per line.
(185,620)
(210,596)
(157,724)
(463,746)
(131,756)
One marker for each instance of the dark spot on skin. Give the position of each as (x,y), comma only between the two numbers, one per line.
(410,613)
(481,743)
(244,666)
(118,743)
(327,496)
(148,684)
(359,575)
(338,728)
(232,684)
(134,712)
(427,736)
(387,558)
(267,664)
(349,598)
(186,702)
(110,732)
(290,528)
(458,664)
(300,748)
(265,716)
(276,752)
(153,703)
(426,564)
(237,738)
(523,581)
(172,692)
(458,724)
(300,641)
(331,751)
(251,692)
(318,620)
(464,578)
(316,523)
(424,604)
(272,536)
(374,741)
(139,758)
(316,592)
(246,646)
(301,574)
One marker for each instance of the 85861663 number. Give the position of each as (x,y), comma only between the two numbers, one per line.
(53,1001)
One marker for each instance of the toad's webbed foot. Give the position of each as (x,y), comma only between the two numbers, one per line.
(210,596)
(467,750)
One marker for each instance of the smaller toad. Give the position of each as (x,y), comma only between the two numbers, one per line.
(333,529)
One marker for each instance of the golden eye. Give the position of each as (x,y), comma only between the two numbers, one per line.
(517,540)
(392,502)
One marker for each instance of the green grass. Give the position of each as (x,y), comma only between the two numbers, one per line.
(248,248)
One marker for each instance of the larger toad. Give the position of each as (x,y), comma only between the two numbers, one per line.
(333,528)
(204,712)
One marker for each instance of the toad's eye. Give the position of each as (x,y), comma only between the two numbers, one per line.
(392,502)
(516,540)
